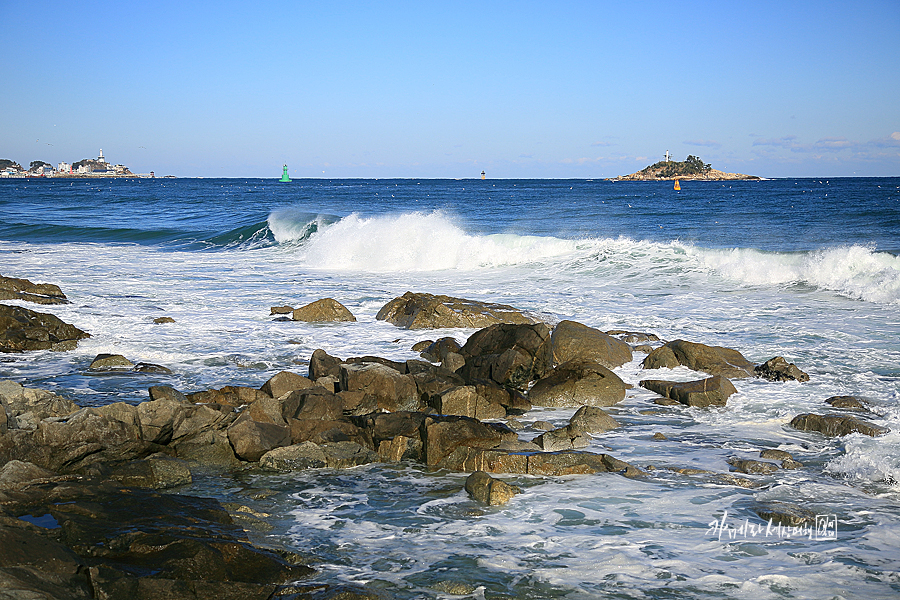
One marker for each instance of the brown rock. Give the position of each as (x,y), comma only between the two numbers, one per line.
(110,362)
(251,439)
(753,467)
(465,401)
(510,355)
(836,425)
(847,402)
(323,311)
(23,330)
(578,383)
(438,350)
(714,360)
(572,341)
(284,382)
(591,419)
(391,390)
(493,492)
(443,434)
(783,513)
(163,320)
(564,438)
(281,310)
(713,391)
(426,311)
(12,288)
(778,369)
(321,364)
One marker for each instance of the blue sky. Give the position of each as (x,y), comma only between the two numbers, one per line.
(422,89)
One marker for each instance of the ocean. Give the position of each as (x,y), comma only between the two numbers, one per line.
(808,269)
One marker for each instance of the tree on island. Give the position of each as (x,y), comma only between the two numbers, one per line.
(692,165)
(5,162)
(37,164)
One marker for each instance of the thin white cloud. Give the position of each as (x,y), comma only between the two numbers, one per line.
(705,143)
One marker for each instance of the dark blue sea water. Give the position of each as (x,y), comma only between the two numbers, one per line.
(807,269)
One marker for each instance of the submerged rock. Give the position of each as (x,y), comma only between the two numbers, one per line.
(783,513)
(836,425)
(427,311)
(493,492)
(847,402)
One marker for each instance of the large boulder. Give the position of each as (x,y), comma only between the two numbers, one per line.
(427,311)
(444,434)
(836,425)
(510,355)
(326,310)
(284,382)
(573,341)
(12,288)
(322,364)
(22,330)
(578,383)
(251,439)
(465,401)
(715,360)
(713,391)
(591,419)
(388,388)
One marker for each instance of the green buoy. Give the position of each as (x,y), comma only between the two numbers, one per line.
(284,175)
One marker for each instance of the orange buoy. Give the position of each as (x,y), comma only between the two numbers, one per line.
(677,185)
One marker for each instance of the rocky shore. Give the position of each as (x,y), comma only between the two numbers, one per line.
(82,514)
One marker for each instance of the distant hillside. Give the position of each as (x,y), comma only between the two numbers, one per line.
(690,168)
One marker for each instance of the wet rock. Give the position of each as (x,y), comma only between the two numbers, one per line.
(208,448)
(564,438)
(660,437)
(575,462)
(487,490)
(228,395)
(173,547)
(421,345)
(783,513)
(591,419)
(326,310)
(12,288)
(431,379)
(285,382)
(389,389)
(578,383)
(790,463)
(281,310)
(110,362)
(778,369)
(847,402)
(572,341)
(163,320)
(324,432)
(836,425)
(144,367)
(296,457)
(715,360)
(752,467)
(453,361)
(157,471)
(312,403)
(773,454)
(510,355)
(543,426)
(633,337)
(23,330)
(713,391)
(427,311)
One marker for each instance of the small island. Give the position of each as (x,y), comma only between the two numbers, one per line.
(691,168)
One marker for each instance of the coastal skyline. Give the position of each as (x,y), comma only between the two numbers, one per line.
(576,89)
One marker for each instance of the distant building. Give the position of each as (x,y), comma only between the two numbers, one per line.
(64,167)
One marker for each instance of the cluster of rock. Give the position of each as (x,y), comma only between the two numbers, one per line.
(12,288)
(454,410)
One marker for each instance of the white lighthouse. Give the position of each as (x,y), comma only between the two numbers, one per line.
(100,158)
